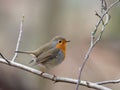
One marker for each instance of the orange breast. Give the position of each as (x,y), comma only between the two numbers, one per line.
(62,46)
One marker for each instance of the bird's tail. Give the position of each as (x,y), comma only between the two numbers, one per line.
(25,52)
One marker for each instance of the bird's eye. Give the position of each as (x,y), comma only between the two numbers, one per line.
(60,41)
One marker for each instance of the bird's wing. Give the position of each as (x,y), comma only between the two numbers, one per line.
(48,55)
(42,49)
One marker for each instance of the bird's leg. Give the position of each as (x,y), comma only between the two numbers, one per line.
(33,60)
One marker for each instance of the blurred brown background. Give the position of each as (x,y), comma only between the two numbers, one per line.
(44,19)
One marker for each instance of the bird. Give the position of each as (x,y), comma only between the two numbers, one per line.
(50,54)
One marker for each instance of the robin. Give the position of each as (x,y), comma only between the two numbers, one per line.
(50,54)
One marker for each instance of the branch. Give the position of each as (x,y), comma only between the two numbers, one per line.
(5,58)
(103,5)
(53,77)
(19,38)
(109,8)
(93,40)
(108,82)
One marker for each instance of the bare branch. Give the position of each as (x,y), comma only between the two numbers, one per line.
(109,8)
(99,17)
(108,82)
(19,38)
(53,77)
(93,40)
(5,58)
(103,6)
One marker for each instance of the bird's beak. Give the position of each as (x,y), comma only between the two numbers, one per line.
(68,41)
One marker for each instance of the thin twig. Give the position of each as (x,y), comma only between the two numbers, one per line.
(53,77)
(94,42)
(103,6)
(108,82)
(19,38)
(102,30)
(99,16)
(5,58)
(109,8)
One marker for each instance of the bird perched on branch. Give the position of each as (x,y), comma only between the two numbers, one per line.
(50,54)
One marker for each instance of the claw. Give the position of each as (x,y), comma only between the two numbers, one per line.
(31,61)
(54,79)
